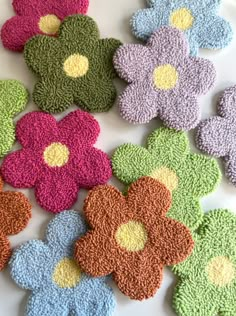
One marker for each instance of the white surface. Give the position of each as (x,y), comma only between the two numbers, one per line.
(113,17)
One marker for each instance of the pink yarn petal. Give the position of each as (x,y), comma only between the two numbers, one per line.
(27,7)
(56,192)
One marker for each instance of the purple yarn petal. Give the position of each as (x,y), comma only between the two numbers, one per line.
(227,103)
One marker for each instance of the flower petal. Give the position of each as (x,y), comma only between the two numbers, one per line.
(7,135)
(130,162)
(230,167)
(22,7)
(5,251)
(227,102)
(132,62)
(62,10)
(28,265)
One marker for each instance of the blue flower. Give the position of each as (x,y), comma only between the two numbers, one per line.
(197,19)
(58,286)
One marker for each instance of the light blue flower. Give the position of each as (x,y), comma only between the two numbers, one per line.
(197,19)
(57,284)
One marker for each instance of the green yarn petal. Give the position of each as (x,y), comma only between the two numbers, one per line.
(7,135)
(200,175)
(186,209)
(130,162)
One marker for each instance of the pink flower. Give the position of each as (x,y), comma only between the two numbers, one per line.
(37,17)
(57,158)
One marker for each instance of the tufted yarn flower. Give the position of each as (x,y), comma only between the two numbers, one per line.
(57,158)
(131,237)
(168,159)
(163,80)
(37,17)
(75,68)
(13,100)
(58,285)
(198,20)
(15,213)
(216,135)
(207,284)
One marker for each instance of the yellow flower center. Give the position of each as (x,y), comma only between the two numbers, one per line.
(132,236)
(182,19)
(67,273)
(165,77)
(76,66)
(220,271)
(49,24)
(167,177)
(56,155)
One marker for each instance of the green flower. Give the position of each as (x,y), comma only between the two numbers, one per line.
(13,99)
(168,159)
(207,285)
(75,68)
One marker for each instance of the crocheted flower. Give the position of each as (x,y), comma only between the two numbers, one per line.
(163,79)
(13,99)
(57,158)
(58,285)
(207,284)
(15,213)
(131,237)
(216,135)
(197,19)
(167,158)
(37,17)
(75,68)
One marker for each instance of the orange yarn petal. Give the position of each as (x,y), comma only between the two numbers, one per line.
(5,251)
(1,183)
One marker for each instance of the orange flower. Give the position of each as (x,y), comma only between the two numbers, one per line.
(15,212)
(131,237)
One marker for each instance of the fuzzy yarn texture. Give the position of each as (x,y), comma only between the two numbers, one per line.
(58,285)
(15,213)
(207,284)
(131,237)
(57,158)
(163,80)
(75,68)
(199,20)
(13,100)
(37,17)
(216,135)
(167,158)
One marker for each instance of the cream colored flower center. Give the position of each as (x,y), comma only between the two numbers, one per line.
(165,77)
(167,177)
(56,155)
(49,24)
(132,236)
(67,273)
(76,66)
(182,19)
(220,271)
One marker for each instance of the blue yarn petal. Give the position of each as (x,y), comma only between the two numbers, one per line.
(27,265)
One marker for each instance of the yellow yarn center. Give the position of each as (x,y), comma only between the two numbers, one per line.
(182,19)
(165,77)
(76,66)
(67,273)
(220,271)
(49,24)
(132,236)
(167,177)
(56,155)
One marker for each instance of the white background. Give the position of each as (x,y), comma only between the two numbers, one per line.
(113,18)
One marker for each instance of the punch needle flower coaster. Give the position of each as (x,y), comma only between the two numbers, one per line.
(167,159)
(57,158)
(131,237)
(197,19)
(13,100)
(37,17)
(163,80)
(207,284)
(75,68)
(58,285)
(15,213)
(216,135)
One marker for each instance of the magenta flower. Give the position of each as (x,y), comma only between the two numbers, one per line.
(163,79)
(37,17)
(57,158)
